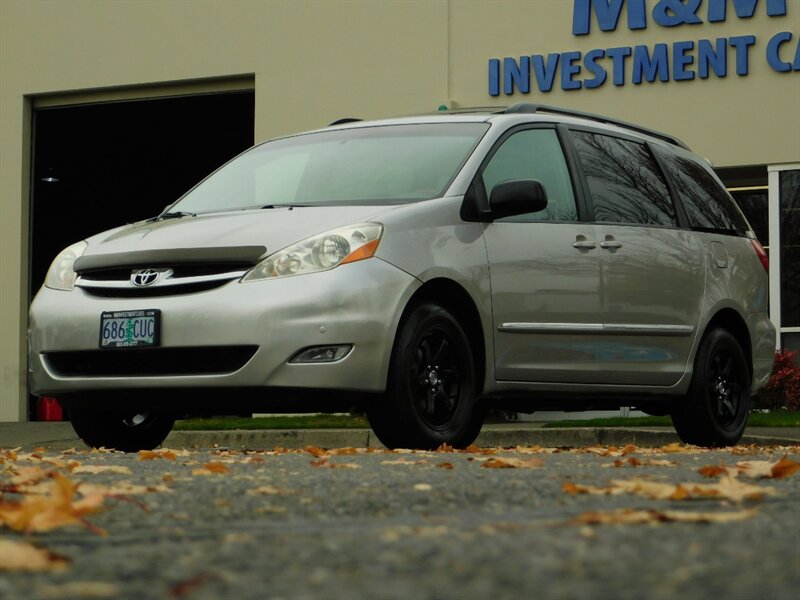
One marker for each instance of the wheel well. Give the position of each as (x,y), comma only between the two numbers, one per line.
(731,321)
(451,296)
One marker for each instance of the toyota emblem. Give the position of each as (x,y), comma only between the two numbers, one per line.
(144,277)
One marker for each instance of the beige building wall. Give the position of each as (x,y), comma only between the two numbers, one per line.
(314,61)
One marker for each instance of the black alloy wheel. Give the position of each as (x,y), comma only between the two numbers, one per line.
(431,392)
(715,411)
(129,431)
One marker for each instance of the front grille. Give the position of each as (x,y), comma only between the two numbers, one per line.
(180,279)
(152,362)
(153,292)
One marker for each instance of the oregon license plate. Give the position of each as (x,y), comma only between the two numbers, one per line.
(130,328)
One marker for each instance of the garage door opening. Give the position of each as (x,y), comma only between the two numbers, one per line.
(98,166)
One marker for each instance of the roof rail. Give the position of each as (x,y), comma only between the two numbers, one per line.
(529,108)
(343,121)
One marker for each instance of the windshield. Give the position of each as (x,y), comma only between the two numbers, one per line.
(392,164)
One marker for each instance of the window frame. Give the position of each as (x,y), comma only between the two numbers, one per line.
(476,200)
(680,214)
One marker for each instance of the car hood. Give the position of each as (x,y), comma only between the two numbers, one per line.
(261,231)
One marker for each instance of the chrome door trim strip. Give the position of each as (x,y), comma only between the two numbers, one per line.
(611,329)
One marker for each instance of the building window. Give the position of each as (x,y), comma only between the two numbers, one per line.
(789,186)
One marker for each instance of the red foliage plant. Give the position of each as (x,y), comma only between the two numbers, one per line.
(783,389)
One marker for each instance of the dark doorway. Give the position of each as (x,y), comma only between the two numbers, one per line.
(102,165)
(99,166)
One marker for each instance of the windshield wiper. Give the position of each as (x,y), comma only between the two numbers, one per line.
(289,206)
(174,215)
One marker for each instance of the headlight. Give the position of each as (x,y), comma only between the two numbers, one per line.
(61,276)
(320,253)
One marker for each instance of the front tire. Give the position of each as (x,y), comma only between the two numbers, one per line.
(431,394)
(715,411)
(129,432)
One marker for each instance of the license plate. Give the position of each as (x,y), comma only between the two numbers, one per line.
(130,328)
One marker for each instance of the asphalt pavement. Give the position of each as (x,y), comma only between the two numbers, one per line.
(60,436)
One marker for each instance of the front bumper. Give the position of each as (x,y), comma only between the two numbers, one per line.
(359,304)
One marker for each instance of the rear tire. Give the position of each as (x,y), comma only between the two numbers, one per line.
(715,411)
(431,393)
(129,432)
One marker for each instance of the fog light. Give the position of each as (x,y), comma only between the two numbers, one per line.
(322,354)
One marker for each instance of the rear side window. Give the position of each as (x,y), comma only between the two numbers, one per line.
(708,206)
(625,183)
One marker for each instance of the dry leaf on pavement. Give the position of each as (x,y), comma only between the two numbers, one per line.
(57,509)
(513,463)
(77,589)
(154,454)
(22,556)
(633,516)
(728,488)
(98,469)
(322,462)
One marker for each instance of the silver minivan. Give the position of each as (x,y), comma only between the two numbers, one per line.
(421,269)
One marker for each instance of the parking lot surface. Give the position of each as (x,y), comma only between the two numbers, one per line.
(594,522)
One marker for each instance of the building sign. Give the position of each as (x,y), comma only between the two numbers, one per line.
(665,62)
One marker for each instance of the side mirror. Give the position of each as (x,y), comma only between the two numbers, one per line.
(517,197)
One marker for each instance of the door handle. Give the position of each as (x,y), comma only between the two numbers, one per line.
(609,244)
(584,244)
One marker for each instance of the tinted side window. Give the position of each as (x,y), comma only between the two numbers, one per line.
(624,180)
(707,204)
(534,154)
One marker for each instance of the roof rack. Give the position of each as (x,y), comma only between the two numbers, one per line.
(529,108)
(343,121)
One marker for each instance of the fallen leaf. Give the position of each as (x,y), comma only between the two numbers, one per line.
(22,556)
(267,490)
(154,454)
(764,469)
(444,465)
(423,487)
(97,469)
(445,448)
(316,452)
(344,451)
(404,461)
(59,508)
(712,471)
(29,475)
(216,467)
(513,463)
(633,516)
(785,467)
(325,463)
(122,488)
(728,488)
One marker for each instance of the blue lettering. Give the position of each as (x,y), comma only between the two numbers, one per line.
(151,329)
(796,63)
(608,13)
(519,74)
(136,324)
(643,64)
(717,9)
(618,56)
(670,13)
(716,58)
(569,69)
(773,52)
(590,62)
(545,74)
(680,61)
(494,77)
(742,44)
